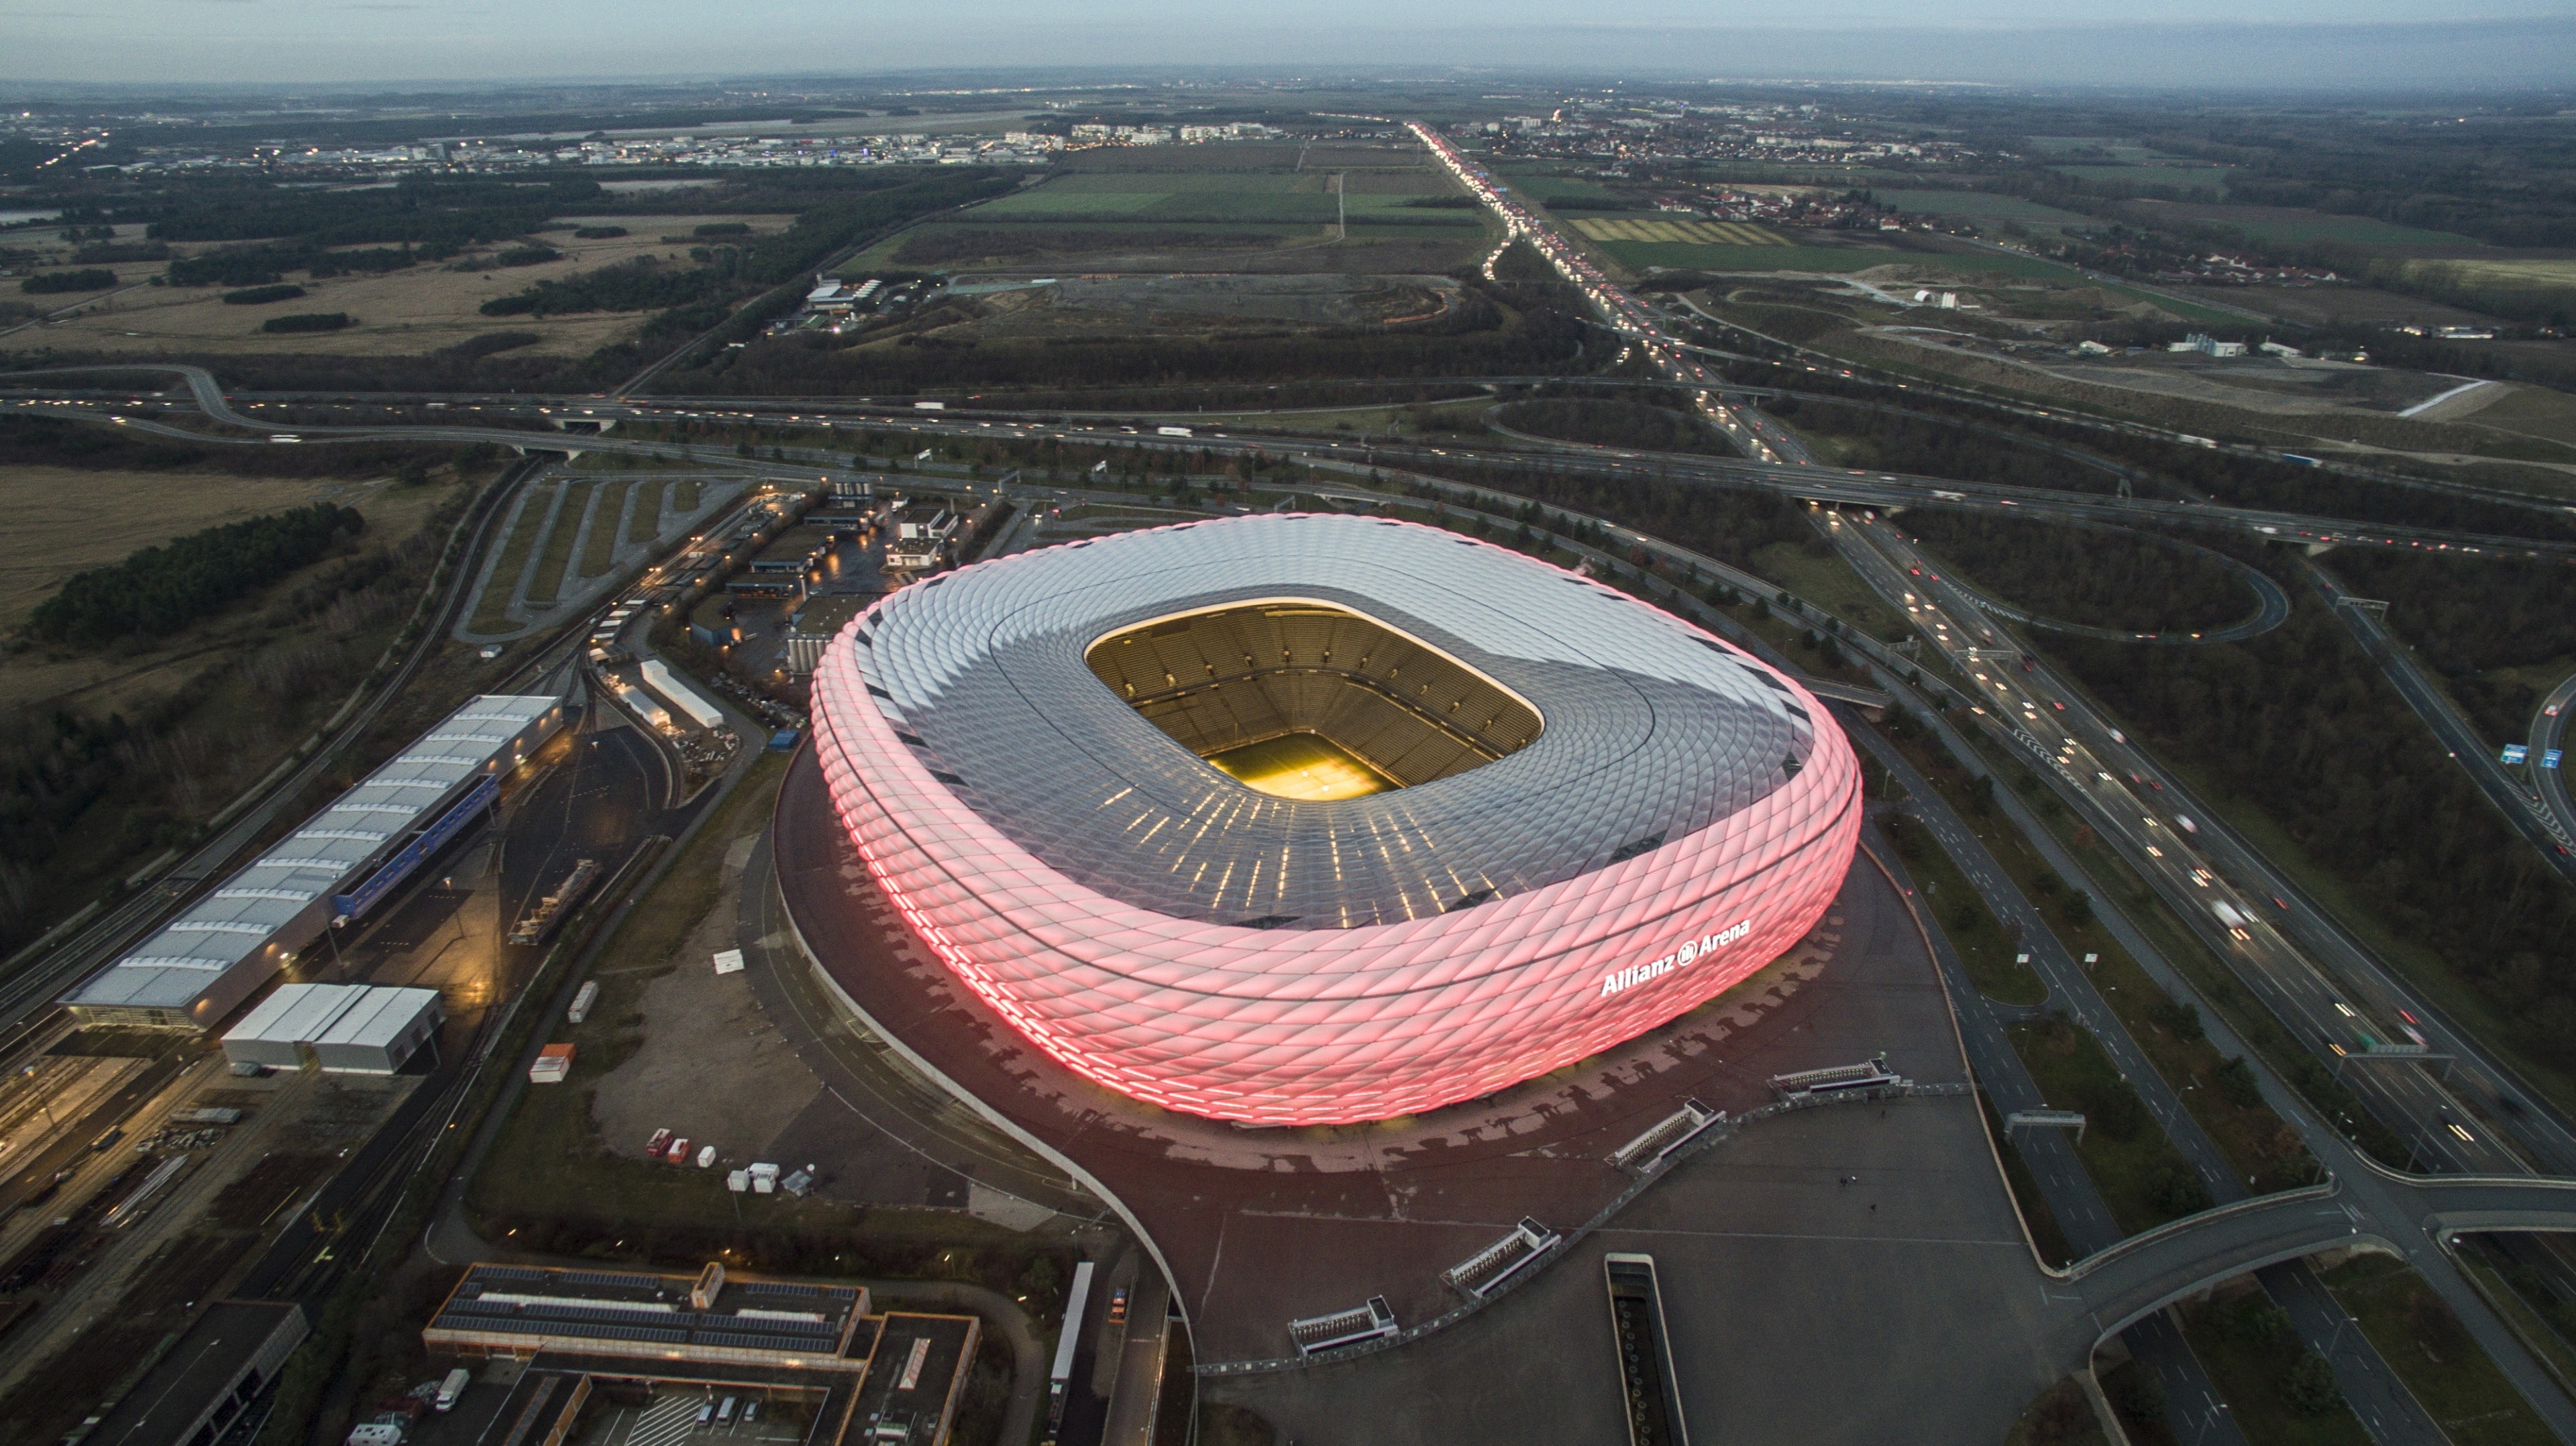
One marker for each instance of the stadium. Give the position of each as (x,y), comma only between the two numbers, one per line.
(1303,819)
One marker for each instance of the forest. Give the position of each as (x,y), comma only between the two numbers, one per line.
(1612,424)
(157,590)
(2298,723)
(1884,441)
(2098,577)
(642,284)
(2472,618)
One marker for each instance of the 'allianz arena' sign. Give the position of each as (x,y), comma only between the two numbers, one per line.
(1706,944)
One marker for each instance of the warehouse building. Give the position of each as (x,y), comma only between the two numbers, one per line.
(853,1378)
(344,861)
(337,1028)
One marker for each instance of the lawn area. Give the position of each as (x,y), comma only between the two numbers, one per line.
(1687,256)
(2250,1351)
(1829,582)
(1951,903)
(491,610)
(2142,1177)
(2428,1348)
(1280,196)
(553,577)
(1982,205)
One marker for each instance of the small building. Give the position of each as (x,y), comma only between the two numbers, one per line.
(205,1381)
(921,535)
(337,1028)
(2209,346)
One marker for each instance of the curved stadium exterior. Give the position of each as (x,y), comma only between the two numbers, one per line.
(1316,819)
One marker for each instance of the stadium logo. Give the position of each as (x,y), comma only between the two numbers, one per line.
(1703,946)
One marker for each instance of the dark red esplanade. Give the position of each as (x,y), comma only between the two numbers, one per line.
(1331,1026)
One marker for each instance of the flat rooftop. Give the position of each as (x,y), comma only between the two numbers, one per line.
(517,1307)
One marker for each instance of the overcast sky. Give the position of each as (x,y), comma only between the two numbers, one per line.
(2299,43)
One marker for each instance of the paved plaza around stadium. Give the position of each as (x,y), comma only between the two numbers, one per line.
(1259,1226)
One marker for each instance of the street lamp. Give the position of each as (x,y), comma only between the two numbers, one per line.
(338,922)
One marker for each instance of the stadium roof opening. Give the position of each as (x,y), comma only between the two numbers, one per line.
(1299,698)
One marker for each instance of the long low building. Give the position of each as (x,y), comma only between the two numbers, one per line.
(339,1028)
(199,967)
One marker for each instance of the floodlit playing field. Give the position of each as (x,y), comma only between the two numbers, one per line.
(1303,766)
(1701,233)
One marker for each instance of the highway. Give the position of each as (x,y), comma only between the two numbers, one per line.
(2548,729)
(2523,806)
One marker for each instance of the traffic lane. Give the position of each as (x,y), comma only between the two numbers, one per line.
(2192,1402)
(2073,1199)
(2405,1097)
(2067,983)
(2387,1409)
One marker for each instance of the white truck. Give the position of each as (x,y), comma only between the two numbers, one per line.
(451,1390)
(1172,432)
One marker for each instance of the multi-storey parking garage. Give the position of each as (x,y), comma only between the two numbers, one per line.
(1322,819)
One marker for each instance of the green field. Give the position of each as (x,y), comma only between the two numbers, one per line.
(1682,256)
(1981,205)
(2182,177)
(2351,230)
(1277,196)
(1546,189)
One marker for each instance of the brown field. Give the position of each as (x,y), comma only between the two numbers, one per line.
(2529,412)
(68,520)
(401,313)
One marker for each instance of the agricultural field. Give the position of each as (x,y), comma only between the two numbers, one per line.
(1981,206)
(410,312)
(2143,176)
(68,521)
(1311,196)
(1698,233)
(2289,226)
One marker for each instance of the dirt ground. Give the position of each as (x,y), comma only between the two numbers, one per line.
(403,313)
(63,520)
(711,1067)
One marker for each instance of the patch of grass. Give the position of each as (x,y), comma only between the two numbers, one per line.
(2428,1348)
(601,548)
(2142,1177)
(685,500)
(2061,1416)
(1686,256)
(648,513)
(2525,1303)
(491,610)
(549,583)
(1982,205)
(1828,581)
(1971,927)
(2143,177)
(2253,1372)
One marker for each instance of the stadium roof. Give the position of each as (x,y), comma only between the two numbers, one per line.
(1651,731)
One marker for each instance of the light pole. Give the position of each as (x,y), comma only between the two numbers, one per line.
(43,1101)
(338,922)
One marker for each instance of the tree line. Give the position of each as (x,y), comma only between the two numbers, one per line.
(2299,723)
(2086,575)
(2471,618)
(1605,423)
(158,590)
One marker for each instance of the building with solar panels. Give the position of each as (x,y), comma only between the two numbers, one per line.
(1316,819)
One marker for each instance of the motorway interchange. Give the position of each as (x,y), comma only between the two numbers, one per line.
(2459,1108)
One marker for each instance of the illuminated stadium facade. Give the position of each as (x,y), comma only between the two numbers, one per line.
(1312,820)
